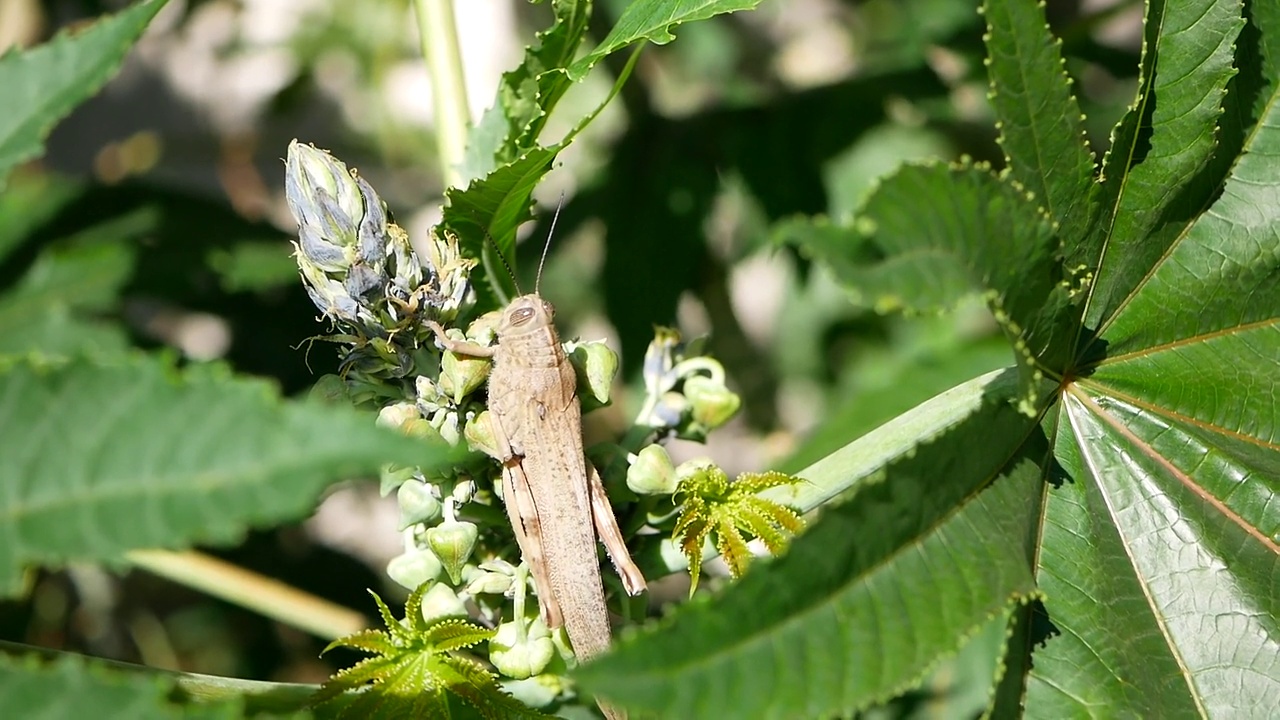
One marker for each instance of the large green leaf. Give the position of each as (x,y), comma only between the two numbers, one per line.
(979,232)
(1041,127)
(876,592)
(1154,183)
(41,86)
(1145,499)
(1173,445)
(100,459)
(33,200)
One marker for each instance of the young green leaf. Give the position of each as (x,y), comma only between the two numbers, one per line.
(711,506)
(490,210)
(414,671)
(528,94)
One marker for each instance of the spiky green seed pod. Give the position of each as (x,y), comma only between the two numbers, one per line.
(445,423)
(463,492)
(393,476)
(479,434)
(496,576)
(461,374)
(492,583)
(406,418)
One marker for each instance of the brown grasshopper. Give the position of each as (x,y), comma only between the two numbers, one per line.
(554,497)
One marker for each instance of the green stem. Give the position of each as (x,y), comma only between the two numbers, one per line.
(519,587)
(250,590)
(696,364)
(438,32)
(256,696)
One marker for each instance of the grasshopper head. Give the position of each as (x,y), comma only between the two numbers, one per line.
(526,313)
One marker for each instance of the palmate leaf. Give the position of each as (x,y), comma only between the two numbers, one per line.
(1172,440)
(104,457)
(1144,488)
(979,232)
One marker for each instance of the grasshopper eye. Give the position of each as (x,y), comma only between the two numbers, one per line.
(521,316)
(549,309)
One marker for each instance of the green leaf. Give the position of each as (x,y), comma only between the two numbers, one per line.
(41,86)
(1153,180)
(891,381)
(653,20)
(527,95)
(979,233)
(74,687)
(52,308)
(504,160)
(711,506)
(1041,129)
(1172,444)
(1155,541)
(490,210)
(888,582)
(254,266)
(413,673)
(100,459)
(31,201)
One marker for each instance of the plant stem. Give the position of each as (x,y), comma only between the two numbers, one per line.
(438,32)
(247,589)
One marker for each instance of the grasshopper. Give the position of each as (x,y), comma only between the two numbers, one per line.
(554,496)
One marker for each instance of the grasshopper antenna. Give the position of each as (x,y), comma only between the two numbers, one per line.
(543,261)
(502,259)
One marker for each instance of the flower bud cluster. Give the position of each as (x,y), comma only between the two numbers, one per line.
(361,271)
(686,395)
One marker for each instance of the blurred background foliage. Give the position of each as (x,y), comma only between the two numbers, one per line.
(157,219)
